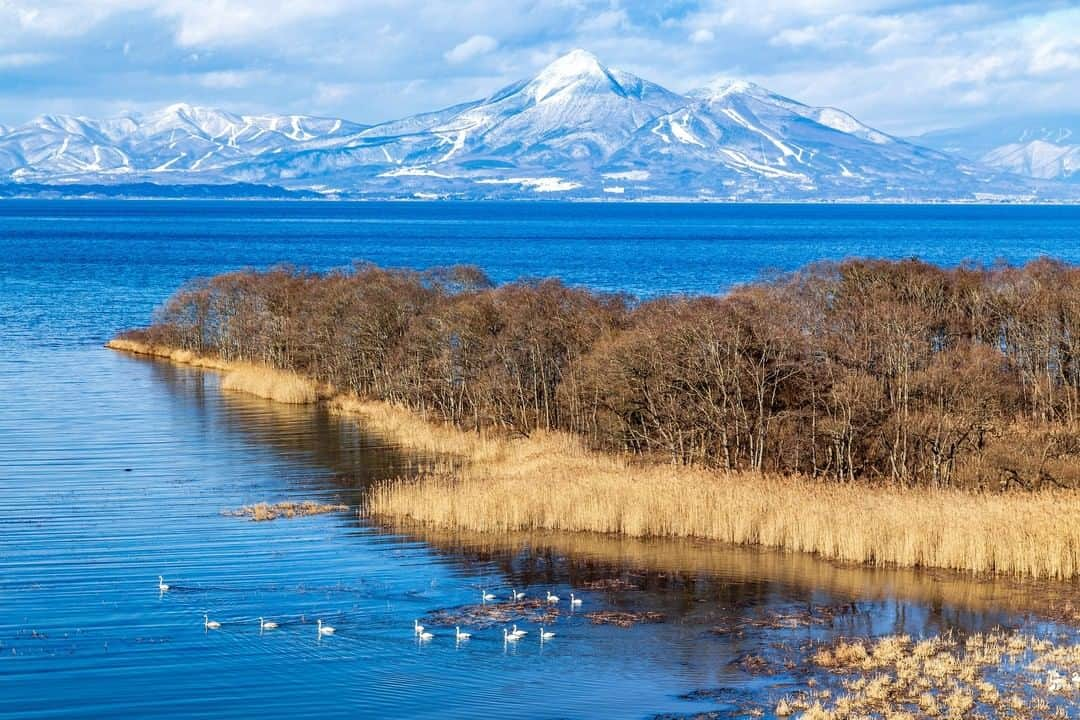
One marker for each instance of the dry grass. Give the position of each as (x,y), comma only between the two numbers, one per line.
(996,674)
(549,481)
(278,385)
(183,357)
(260,512)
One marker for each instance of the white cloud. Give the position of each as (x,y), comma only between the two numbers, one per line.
(893,63)
(702,36)
(24,59)
(605,22)
(330,94)
(475,46)
(229,79)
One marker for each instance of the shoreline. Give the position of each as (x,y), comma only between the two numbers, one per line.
(548,481)
(330,199)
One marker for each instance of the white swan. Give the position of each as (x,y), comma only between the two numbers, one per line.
(552,599)
(458,635)
(576,602)
(516,596)
(425,636)
(266,624)
(485,596)
(518,633)
(161,586)
(417,627)
(210,624)
(325,629)
(546,634)
(507,637)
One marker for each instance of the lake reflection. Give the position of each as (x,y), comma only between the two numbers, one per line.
(307,434)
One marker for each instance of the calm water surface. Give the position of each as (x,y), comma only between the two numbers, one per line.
(114,470)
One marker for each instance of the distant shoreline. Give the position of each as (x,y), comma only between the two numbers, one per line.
(547,200)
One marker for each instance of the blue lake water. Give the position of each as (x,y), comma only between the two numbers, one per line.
(114,470)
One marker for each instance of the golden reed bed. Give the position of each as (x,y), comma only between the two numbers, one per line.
(549,481)
(278,385)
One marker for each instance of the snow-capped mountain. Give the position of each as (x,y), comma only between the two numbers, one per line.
(735,137)
(578,129)
(179,139)
(1046,147)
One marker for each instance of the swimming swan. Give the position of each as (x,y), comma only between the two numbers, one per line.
(485,596)
(552,599)
(161,584)
(325,629)
(516,596)
(546,634)
(458,635)
(267,624)
(417,627)
(575,601)
(425,636)
(507,637)
(518,633)
(209,624)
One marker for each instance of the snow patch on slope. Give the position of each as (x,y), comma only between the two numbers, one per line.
(538,184)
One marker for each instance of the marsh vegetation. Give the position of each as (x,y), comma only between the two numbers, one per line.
(996,674)
(870,411)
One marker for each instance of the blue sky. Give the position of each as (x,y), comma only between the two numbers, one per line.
(901,65)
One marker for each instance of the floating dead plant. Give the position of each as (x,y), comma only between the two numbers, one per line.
(787,619)
(495,613)
(266,511)
(624,619)
(610,585)
(755,665)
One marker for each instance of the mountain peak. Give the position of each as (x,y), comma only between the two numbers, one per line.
(177,108)
(574,63)
(188,111)
(574,67)
(723,87)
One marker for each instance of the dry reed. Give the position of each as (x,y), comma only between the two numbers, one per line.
(183,357)
(277,385)
(997,674)
(265,382)
(549,481)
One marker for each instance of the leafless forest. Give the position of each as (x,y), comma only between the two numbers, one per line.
(892,372)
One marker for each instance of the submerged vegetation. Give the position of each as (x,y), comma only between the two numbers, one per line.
(867,411)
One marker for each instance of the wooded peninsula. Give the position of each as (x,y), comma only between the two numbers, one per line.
(938,407)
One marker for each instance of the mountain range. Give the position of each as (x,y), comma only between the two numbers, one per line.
(1041,146)
(577,130)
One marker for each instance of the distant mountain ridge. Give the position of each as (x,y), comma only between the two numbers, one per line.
(1046,147)
(576,130)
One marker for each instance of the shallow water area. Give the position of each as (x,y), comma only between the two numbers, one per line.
(115,469)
